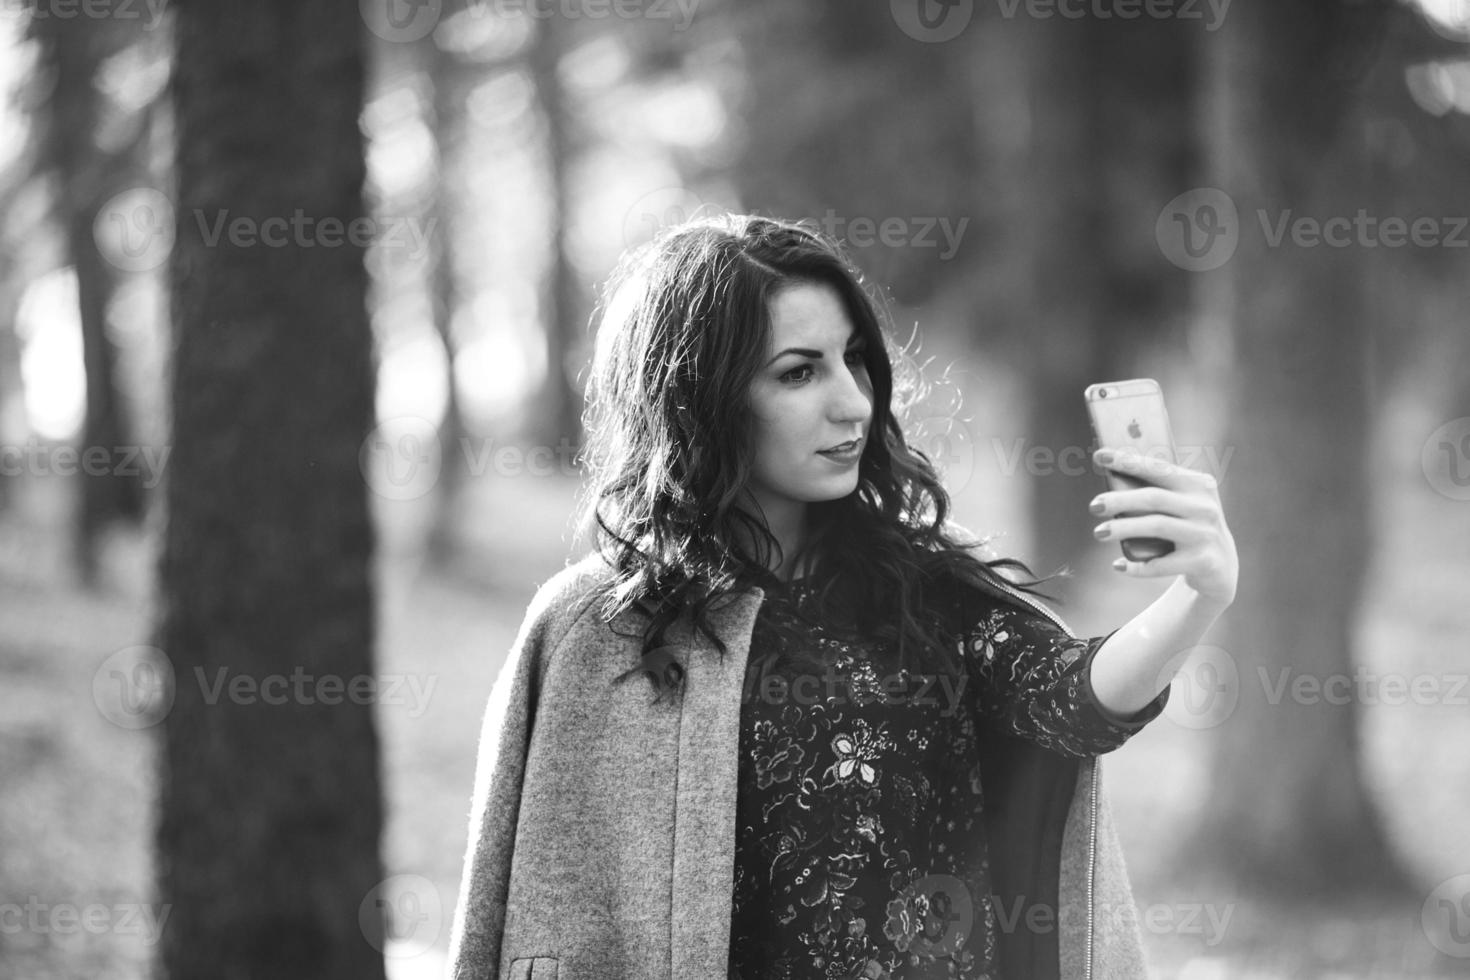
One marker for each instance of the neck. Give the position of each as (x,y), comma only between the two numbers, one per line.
(788,526)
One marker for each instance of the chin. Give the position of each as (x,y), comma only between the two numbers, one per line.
(835,490)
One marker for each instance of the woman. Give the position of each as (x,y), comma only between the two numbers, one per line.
(868,753)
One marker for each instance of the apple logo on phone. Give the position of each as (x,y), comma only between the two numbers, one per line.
(1134,430)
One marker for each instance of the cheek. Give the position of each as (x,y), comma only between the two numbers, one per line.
(784,430)
(775,446)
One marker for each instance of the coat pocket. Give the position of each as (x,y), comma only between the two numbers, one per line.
(533,968)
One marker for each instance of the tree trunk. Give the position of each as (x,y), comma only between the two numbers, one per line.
(115,492)
(14,428)
(271,807)
(844,123)
(74,48)
(443,537)
(563,316)
(1288,811)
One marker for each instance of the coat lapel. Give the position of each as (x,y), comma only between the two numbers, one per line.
(705,799)
(1097,881)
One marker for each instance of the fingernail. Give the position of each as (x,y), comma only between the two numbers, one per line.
(1119,564)
(1100,532)
(1104,456)
(1096,506)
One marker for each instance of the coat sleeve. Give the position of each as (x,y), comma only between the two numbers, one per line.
(1035,681)
(482,908)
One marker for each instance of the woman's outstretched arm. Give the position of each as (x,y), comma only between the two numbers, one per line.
(1183,506)
(1033,681)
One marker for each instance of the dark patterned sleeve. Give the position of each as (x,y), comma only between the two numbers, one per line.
(1035,681)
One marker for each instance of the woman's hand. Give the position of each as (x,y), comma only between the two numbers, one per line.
(1183,506)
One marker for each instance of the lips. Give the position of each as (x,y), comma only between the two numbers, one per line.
(844,448)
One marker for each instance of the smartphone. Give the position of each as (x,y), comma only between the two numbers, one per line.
(1131,414)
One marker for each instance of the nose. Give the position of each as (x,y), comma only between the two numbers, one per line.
(853,402)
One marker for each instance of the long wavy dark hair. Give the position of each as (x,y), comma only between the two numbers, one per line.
(685,328)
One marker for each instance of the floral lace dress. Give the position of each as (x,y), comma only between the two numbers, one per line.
(860,850)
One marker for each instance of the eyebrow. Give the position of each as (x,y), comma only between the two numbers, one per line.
(816,355)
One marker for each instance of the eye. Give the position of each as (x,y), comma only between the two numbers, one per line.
(854,356)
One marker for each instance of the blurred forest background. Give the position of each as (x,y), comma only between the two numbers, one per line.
(294,327)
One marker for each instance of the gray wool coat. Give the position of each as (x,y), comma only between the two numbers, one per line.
(602,825)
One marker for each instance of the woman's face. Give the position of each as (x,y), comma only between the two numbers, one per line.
(807,400)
